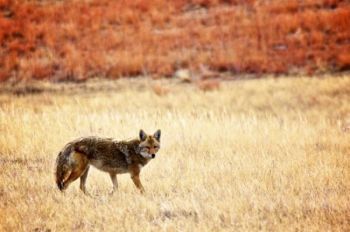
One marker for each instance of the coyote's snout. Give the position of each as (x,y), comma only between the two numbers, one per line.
(106,154)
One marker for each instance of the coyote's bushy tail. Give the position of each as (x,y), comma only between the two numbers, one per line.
(62,167)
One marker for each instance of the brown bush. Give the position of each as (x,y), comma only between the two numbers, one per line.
(71,40)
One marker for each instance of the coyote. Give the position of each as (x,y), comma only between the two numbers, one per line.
(106,154)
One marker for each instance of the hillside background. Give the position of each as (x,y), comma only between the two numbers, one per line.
(77,40)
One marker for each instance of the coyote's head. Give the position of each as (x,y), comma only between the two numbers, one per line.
(149,144)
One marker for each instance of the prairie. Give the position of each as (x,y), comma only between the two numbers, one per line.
(265,154)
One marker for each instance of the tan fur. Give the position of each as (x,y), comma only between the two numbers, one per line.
(134,171)
(108,155)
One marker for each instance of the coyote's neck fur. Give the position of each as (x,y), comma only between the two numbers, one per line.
(132,151)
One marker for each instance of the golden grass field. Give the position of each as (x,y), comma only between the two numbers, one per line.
(265,154)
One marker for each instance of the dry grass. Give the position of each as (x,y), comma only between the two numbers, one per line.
(81,39)
(253,155)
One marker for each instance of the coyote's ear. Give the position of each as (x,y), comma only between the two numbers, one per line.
(142,135)
(157,135)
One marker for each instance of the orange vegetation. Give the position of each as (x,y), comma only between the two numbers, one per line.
(75,40)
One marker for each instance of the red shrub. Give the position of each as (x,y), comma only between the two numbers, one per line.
(343,60)
(75,40)
(40,72)
(208,85)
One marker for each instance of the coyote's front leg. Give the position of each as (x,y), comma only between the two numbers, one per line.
(135,176)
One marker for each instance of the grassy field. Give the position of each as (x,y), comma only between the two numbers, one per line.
(269,155)
(82,39)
